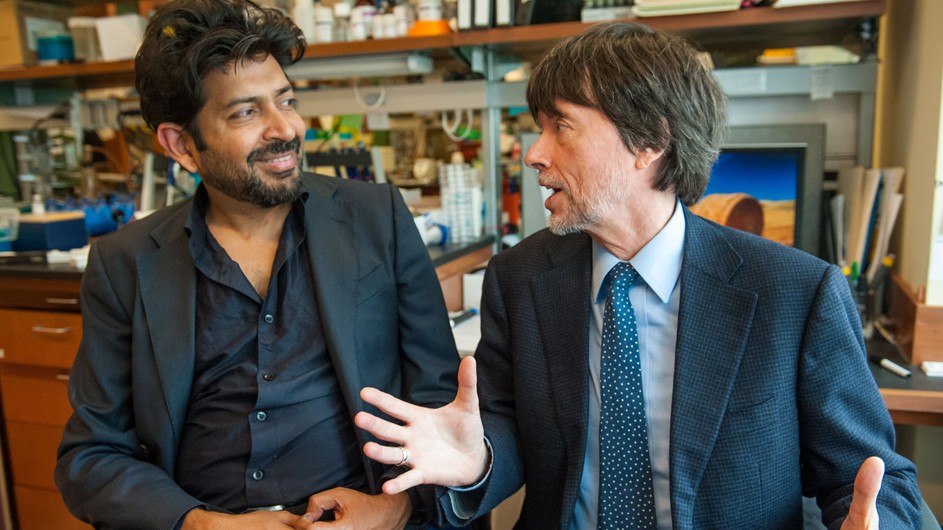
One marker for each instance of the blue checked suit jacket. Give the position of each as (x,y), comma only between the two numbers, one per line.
(773,398)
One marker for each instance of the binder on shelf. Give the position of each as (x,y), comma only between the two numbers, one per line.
(464,12)
(483,12)
(504,11)
(547,11)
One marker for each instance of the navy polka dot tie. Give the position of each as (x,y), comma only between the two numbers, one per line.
(626,497)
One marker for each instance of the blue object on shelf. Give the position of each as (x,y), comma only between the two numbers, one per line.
(51,231)
(56,47)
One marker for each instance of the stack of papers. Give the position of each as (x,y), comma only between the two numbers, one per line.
(658,8)
(932,368)
(796,3)
(863,214)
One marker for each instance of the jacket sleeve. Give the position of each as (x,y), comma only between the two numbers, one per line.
(102,469)
(843,418)
(498,412)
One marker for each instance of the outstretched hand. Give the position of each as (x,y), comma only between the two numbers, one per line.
(863,512)
(443,446)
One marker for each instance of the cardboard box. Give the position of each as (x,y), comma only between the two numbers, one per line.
(21,21)
(120,36)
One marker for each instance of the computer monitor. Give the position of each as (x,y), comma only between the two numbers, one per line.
(768,179)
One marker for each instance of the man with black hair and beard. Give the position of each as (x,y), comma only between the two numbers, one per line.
(226,338)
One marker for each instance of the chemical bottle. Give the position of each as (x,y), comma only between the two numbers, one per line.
(341,21)
(303,15)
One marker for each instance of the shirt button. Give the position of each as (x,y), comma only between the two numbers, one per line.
(269,318)
(268,376)
(261,415)
(257,474)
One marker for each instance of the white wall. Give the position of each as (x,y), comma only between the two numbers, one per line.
(908,133)
(908,123)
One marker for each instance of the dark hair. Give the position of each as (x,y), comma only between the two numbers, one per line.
(186,39)
(652,86)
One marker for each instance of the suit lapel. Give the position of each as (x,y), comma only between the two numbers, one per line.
(713,325)
(169,302)
(330,225)
(563,320)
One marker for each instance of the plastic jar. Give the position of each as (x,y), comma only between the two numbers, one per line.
(323,23)
(342,22)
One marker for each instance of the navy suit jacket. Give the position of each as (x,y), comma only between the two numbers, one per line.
(772,394)
(382,314)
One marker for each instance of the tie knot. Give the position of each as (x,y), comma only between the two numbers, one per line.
(621,276)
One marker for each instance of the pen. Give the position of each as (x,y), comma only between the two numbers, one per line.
(882,270)
(462,316)
(890,366)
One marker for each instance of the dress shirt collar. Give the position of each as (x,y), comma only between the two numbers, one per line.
(658,262)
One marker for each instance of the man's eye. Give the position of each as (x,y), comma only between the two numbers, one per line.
(244,113)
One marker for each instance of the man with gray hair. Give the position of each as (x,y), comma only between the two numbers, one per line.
(641,367)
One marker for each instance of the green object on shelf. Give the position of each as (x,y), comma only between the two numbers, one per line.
(8,184)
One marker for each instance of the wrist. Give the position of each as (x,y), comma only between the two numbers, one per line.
(200,519)
(484,463)
(484,460)
(402,506)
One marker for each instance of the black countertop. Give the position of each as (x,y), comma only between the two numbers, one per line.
(34,265)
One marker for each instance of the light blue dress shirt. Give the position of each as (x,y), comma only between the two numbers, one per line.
(655,298)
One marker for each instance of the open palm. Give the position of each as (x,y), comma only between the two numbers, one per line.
(445,446)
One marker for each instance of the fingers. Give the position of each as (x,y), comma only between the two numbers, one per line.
(384,454)
(320,503)
(862,514)
(869,479)
(468,385)
(380,428)
(396,408)
(407,480)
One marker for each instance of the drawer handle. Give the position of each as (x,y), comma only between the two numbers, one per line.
(62,377)
(63,301)
(52,331)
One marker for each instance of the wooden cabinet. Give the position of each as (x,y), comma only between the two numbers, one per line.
(42,328)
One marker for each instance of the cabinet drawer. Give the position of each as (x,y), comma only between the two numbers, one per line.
(35,395)
(32,450)
(41,338)
(40,509)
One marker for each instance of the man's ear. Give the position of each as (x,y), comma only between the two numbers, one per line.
(647,157)
(179,145)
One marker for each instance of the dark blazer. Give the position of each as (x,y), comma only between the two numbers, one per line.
(383,318)
(772,395)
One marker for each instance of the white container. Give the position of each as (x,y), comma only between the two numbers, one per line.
(429,10)
(358,25)
(120,36)
(302,14)
(323,23)
(85,38)
(389,25)
(362,16)
(9,224)
(377,28)
(341,22)
(403,16)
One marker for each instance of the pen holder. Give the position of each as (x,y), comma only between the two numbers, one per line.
(864,302)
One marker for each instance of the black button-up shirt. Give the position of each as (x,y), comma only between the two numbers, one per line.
(267,423)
